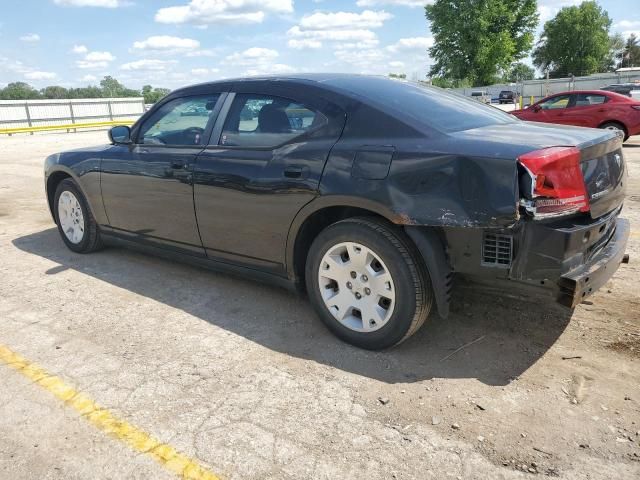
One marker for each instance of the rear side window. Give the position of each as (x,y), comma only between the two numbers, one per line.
(267,121)
(587,99)
(431,106)
(181,121)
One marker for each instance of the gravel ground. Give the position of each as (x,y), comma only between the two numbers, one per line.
(245,379)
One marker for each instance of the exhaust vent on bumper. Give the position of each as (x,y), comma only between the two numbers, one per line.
(497,250)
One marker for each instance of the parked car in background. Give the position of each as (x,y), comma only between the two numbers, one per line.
(507,96)
(627,89)
(481,96)
(368,193)
(587,108)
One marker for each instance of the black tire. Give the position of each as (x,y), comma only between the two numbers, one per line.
(413,293)
(91,240)
(617,126)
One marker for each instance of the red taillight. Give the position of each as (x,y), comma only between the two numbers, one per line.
(556,182)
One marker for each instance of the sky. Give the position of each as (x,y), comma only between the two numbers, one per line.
(169,43)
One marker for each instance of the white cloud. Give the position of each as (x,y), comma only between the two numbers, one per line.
(79,49)
(411,43)
(628,24)
(166,42)
(401,3)
(99,57)
(148,64)
(201,72)
(628,27)
(93,60)
(336,20)
(259,61)
(396,64)
(271,69)
(208,12)
(30,38)
(252,56)
(88,78)
(201,53)
(547,9)
(304,43)
(351,30)
(89,3)
(39,75)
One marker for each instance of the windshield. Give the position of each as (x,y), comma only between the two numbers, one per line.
(431,106)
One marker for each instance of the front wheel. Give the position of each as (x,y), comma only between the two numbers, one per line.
(367,283)
(76,224)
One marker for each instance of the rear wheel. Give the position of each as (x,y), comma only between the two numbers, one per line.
(367,283)
(76,224)
(617,127)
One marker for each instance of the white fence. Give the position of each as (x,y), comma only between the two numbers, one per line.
(539,89)
(41,113)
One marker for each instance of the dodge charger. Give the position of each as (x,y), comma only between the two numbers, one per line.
(370,195)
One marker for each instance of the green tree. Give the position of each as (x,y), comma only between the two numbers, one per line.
(398,75)
(518,72)
(629,56)
(576,41)
(478,39)
(18,91)
(111,87)
(54,91)
(448,83)
(152,95)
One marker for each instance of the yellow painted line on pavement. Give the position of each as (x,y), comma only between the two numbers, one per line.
(67,126)
(138,440)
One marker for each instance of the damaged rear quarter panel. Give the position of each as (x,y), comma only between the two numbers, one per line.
(426,186)
(454,189)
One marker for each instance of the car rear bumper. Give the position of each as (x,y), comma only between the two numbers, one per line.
(565,261)
(581,282)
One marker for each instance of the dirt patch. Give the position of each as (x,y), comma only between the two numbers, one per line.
(628,347)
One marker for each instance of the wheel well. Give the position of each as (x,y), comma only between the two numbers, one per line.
(313,225)
(52,184)
(626,132)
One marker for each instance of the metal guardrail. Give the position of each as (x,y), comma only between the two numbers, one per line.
(30,115)
(68,127)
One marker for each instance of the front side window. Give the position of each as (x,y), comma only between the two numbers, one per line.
(555,103)
(267,121)
(181,121)
(588,99)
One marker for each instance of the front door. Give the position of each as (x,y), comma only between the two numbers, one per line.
(147,187)
(263,166)
(553,110)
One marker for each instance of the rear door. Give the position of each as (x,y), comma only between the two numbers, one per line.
(264,163)
(585,110)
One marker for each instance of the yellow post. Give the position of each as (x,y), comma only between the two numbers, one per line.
(521,101)
(531,100)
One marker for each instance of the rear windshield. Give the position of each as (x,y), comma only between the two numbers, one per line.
(431,106)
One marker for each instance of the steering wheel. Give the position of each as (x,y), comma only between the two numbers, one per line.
(195,132)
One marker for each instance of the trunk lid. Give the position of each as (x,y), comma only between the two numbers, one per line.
(602,160)
(604,172)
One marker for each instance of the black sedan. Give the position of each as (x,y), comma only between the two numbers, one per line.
(369,194)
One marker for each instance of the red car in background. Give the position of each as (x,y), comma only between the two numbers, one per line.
(587,108)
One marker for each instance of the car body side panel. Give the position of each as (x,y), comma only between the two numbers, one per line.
(83,165)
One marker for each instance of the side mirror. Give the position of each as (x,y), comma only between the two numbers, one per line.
(537,108)
(120,134)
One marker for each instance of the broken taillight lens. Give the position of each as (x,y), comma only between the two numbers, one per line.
(554,184)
